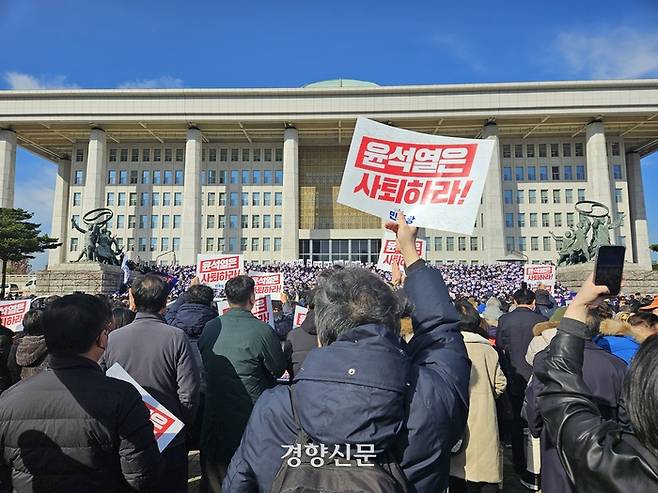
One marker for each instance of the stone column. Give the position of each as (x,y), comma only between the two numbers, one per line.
(638,214)
(492,202)
(191,231)
(61,224)
(290,241)
(599,183)
(7,167)
(94,184)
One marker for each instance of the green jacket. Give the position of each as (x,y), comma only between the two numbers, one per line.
(242,357)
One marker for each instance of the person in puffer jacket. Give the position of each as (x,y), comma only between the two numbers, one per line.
(192,311)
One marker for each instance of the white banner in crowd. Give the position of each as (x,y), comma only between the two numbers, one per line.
(214,270)
(268,283)
(389,254)
(299,316)
(165,425)
(262,310)
(436,181)
(12,313)
(539,274)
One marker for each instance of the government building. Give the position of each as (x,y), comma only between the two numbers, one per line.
(257,171)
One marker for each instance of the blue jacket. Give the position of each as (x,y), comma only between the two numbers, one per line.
(191,318)
(623,347)
(370,387)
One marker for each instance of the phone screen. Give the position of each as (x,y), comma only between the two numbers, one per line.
(610,267)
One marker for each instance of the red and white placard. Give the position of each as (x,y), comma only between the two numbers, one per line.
(389,253)
(436,181)
(215,270)
(268,283)
(12,313)
(535,275)
(262,309)
(165,425)
(299,316)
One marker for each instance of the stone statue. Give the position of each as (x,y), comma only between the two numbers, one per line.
(580,244)
(98,239)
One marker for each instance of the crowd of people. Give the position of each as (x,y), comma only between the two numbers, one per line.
(412,381)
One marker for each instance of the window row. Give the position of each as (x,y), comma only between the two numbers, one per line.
(152,199)
(438,243)
(174,244)
(177,177)
(519,196)
(529,173)
(545,150)
(178,154)
(255,245)
(166,221)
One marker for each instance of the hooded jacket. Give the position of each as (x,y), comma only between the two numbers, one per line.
(543,333)
(301,341)
(370,387)
(191,318)
(598,454)
(31,355)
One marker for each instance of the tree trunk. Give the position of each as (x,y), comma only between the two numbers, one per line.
(4,280)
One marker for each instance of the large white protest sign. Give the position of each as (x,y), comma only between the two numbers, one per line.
(299,316)
(436,181)
(389,253)
(12,313)
(535,275)
(268,283)
(262,309)
(165,425)
(215,270)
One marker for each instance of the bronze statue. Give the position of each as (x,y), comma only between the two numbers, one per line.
(576,247)
(98,239)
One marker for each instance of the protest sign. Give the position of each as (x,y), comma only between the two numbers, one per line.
(12,313)
(268,283)
(539,274)
(214,270)
(436,181)
(299,316)
(389,253)
(165,425)
(262,309)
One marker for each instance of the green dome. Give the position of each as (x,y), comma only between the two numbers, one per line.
(329,84)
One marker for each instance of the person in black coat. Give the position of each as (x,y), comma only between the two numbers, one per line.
(513,337)
(604,375)
(73,428)
(192,311)
(598,454)
(300,342)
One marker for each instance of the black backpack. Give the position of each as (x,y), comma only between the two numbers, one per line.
(383,475)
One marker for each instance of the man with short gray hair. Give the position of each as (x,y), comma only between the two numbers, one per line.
(365,388)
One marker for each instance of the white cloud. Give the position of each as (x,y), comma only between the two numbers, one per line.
(615,53)
(459,50)
(20,81)
(36,195)
(165,81)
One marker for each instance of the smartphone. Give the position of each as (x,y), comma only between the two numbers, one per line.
(609,267)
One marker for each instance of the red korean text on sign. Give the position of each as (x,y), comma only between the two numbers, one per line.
(407,173)
(299,318)
(13,313)
(219,270)
(269,284)
(161,422)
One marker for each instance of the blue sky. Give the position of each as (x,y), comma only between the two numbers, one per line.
(263,43)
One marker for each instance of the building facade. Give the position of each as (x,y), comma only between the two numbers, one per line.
(258,171)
